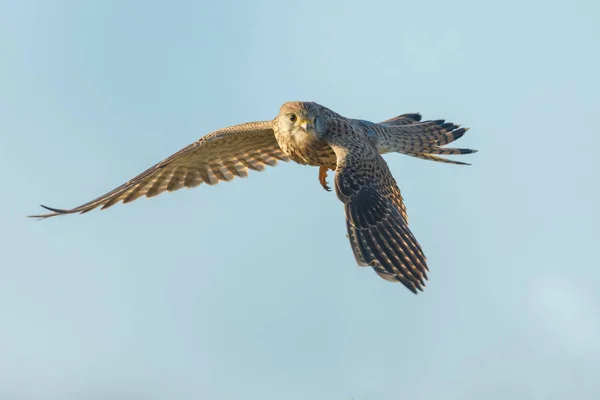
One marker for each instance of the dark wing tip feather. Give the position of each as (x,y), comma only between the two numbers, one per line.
(380,238)
(413,286)
(54,212)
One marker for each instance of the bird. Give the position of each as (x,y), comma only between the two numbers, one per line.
(311,134)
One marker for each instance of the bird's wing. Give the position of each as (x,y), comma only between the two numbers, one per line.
(375,214)
(218,156)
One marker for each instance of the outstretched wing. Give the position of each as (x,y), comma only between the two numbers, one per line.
(375,215)
(219,156)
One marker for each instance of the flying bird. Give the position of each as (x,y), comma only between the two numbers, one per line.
(311,134)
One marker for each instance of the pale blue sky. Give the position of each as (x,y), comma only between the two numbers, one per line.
(249,290)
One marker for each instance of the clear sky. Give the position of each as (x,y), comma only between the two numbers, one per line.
(249,289)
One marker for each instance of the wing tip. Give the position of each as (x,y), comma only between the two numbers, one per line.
(56,210)
(53,212)
(413,285)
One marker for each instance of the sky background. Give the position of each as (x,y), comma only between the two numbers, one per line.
(249,289)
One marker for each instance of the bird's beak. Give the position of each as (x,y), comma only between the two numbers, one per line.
(307,126)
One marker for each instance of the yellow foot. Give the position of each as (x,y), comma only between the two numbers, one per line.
(323,178)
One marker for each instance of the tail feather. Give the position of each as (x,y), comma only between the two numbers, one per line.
(423,139)
(447,151)
(451,136)
(404,119)
(431,157)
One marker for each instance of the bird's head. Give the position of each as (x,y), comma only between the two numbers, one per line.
(298,119)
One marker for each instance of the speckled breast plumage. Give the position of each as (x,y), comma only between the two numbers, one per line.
(307,152)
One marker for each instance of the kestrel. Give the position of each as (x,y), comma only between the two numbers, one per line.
(311,134)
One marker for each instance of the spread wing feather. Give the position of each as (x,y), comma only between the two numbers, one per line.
(219,156)
(375,215)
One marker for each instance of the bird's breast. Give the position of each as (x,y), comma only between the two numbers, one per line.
(306,150)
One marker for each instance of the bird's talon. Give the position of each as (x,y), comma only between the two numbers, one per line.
(323,178)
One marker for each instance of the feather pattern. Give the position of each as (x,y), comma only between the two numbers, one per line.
(219,156)
(376,218)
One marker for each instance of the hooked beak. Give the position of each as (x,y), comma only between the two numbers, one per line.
(307,126)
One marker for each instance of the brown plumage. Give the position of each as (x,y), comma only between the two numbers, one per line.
(219,156)
(376,218)
(311,134)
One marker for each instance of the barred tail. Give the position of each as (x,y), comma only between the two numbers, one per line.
(422,139)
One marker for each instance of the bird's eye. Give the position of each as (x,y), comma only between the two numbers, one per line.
(293,117)
(315,121)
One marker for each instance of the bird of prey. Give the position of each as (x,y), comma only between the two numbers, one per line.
(311,134)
